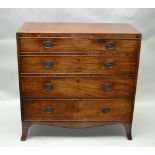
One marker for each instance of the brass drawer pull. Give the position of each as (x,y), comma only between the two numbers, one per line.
(107,87)
(106,110)
(109,65)
(48,64)
(47,44)
(49,110)
(48,87)
(110,45)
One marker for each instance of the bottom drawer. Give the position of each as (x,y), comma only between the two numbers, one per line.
(77,110)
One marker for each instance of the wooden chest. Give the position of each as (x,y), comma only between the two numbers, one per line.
(77,75)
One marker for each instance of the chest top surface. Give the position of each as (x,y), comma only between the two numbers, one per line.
(77,28)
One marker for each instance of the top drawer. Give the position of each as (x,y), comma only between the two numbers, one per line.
(75,45)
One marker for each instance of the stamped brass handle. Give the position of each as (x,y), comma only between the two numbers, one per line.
(106,109)
(48,64)
(110,45)
(48,87)
(109,65)
(47,44)
(49,110)
(107,87)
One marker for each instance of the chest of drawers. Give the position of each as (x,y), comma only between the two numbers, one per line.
(77,75)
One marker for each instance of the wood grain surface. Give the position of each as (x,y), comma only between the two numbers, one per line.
(75,45)
(45,27)
(78,64)
(79,110)
(77,87)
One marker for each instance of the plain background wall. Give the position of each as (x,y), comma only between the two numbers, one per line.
(142,19)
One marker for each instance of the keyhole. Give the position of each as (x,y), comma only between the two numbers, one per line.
(78,60)
(77,81)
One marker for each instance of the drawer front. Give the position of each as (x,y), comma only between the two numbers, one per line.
(77,87)
(49,110)
(79,110)
(75,45)
(105,110)
(77,64)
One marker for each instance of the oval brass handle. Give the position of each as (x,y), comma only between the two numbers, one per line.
(107,87)
(48,86)
(49,110)
(48,64)
(109,65)
(47,44)
(110,45)
(106,109)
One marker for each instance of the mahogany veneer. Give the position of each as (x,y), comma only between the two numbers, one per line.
(77,75)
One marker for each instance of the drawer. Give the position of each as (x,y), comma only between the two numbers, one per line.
(80,110)
(77,87)
(49,110)
(75,45)
(77,64)
(105,110)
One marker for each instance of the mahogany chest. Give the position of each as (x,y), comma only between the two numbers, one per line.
(77,75)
